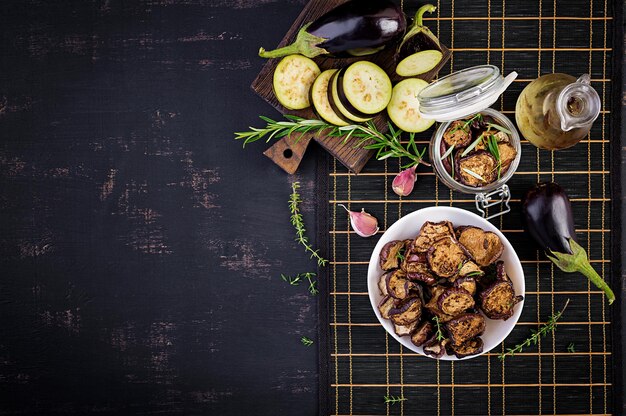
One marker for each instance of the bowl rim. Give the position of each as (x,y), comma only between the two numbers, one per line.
(374,272)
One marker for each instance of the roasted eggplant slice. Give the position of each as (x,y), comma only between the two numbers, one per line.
(507,155)
(466,283)
(431,232)
(470,269)
(458,135)
(455,301)
(408,312)
(477,169)
(382,284)
(501,272)
(422,333)
(398,285)
(498,300)
(391,255)
(445,256)
(403,330)
(433,304)
(465,327)
(485,247)
(385,305)
(434,348)
(414,262)
(418,271)
(472,347)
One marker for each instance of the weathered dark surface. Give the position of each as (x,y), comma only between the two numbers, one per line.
(141,246)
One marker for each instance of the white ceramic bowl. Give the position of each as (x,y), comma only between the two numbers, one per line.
(407,228)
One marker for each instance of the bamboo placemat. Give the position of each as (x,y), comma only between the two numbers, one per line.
(364,364)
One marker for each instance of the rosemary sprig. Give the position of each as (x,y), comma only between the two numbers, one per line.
(498,127)
(400,253)
(546,328)
(394,399)
(292,280)
(474,273)
(298,223)
(465,125)
(278,129)
(370,137)
(472,146)
(474,174)
(306,341)
(570,348)
(439,333)
(492,146)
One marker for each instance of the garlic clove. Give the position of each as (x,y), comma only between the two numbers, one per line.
(362,223)
(404,181)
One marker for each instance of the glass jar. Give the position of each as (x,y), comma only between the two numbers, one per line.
(461,95)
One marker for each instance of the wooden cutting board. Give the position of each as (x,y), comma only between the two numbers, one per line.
(288,151)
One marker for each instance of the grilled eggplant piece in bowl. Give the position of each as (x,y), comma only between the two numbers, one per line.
(445,291)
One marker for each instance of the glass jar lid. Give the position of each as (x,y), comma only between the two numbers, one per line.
(463,93)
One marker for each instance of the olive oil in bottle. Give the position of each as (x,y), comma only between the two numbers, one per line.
(556,111)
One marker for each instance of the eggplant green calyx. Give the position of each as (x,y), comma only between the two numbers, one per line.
(578,262)
(305,44)
(418,27)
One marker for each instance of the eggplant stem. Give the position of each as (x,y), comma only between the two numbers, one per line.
(420,13)
(305,44)
(579,262)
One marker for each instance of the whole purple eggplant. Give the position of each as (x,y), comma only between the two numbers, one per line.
(357,27)
(548,216)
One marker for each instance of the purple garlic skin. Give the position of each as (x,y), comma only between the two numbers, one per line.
(403,183)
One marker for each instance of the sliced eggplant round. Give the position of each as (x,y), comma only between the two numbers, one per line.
(422,333)
(466,283)
(408,312)
(431,232)
(445,256)
(507,155)
(337,105)
(398,285)
(366,86)
(390,255)
(419,63)
(319,98)
(433,304)
(498,300)
(472,347)
(382,284)
(293,77)
(477,169)
(485,247)
(457,135)
(435,348)
(455,301)
(403,109)
(465,327)
(470,268)
(404,330)
(419,272)
(385,305)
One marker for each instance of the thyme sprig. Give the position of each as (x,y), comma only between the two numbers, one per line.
(306,341)
(295,281)
(439,333)
(394,399)
(571,348)
(546,328)
(370,137)
(298,223)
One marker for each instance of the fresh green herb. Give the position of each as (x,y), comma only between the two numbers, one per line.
(474,174)
(394,399)
(400,253)
(492,146)
(298,223)
(278,129)
(448,152)
(370,137)
(306,341)
(292,280)
(474,273)
(472,146)
(497,127)
(548,327)
(295,281)
(465,125)
(460,266)
(439,333)
(570,347)
(312,283)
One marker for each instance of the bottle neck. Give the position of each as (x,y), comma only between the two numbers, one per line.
(578,105)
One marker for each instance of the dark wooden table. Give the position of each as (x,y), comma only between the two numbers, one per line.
(141,247)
